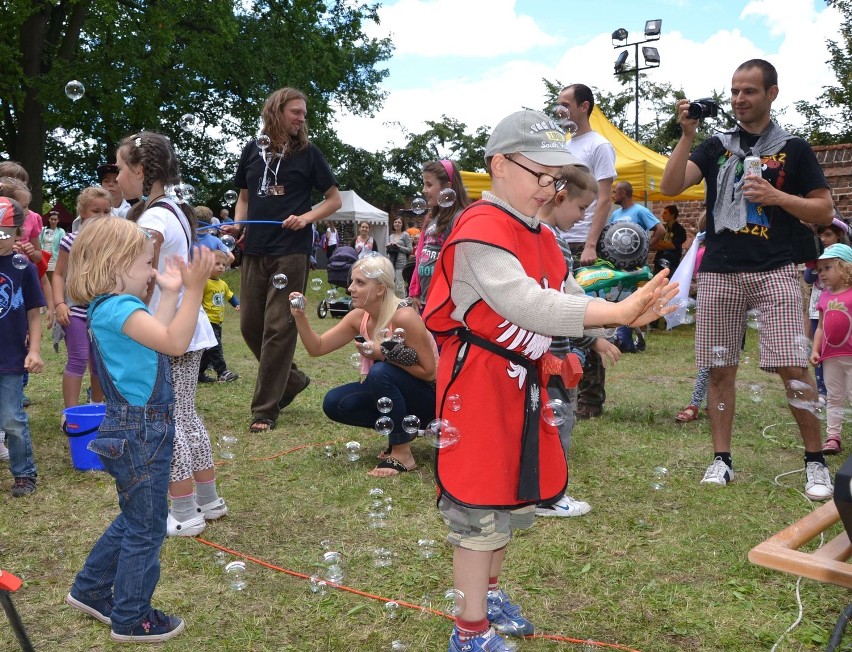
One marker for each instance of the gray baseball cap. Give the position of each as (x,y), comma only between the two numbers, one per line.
(534,135)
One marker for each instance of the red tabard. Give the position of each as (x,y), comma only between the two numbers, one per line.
(507,456)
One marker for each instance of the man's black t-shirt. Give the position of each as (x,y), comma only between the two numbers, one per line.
(298,174)
(766,242)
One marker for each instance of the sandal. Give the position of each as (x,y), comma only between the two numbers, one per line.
(262,425)
(687,414)
(392,463)
(832,446)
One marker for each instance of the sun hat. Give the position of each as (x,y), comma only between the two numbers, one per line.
(841,251)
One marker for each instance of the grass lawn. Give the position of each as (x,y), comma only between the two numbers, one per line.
(653,570)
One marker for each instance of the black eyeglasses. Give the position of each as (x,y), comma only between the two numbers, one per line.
(544,179)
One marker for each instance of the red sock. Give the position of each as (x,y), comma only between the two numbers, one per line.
(492,583)
(469,629)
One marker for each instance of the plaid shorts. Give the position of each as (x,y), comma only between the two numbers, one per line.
(724,299)
(483,529)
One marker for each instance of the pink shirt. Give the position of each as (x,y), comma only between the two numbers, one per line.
(836,323)
(32,226)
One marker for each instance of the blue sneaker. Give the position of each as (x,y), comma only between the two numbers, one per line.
(488,642)
(99,609)
(505,616)
(154,628)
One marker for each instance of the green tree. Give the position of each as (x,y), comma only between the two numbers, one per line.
(146,63)
(826,119)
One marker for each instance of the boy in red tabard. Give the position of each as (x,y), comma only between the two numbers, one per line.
(496,300)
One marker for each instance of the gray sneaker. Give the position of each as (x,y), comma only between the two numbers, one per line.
(818,486)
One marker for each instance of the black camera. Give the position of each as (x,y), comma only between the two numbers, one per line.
(703,108)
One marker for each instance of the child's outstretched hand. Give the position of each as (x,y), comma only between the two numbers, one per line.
(170,280)
(650,302)
(297,303)
(196,273)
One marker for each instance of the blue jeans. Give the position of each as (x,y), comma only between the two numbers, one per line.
(16,424)
(134,443)
(354,404)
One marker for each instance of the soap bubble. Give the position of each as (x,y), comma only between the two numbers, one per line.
(368,347)
(755,393)
(355,360)
(74,90)
(453,403)
(453,602)
(563,119)
(226,447)
(426,547)
(334,573)
(353,451)
(375,491)
(819,410)
(19,261)
(659,305)
(382,558)
(384,334)
(263,141)
(185,192)
(316,284)
(419,206)
(800,394)
(440,433)
(555,412)
(391,609)
(411,423)
(802,347)
(753,318)
(230,197)
(60,133)
(721,407)
(188,121)
(318,585)
(384,426)
(719,353)
(399,646)
(689,308)
(398,335)
(329,451)
(298,302)
(446,198)
(279,281)
(326,544)
(661,474)
(235,575)
(384,405)
(332,295)
(229,241)
(219,557)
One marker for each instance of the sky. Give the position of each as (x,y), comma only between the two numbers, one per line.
(479,60)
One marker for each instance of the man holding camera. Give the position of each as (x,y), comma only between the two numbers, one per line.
(753,223)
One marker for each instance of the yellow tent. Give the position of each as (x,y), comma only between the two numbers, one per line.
(635,163)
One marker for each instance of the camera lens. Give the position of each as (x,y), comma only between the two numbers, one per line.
(695,111)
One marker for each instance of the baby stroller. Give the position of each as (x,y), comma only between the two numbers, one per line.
(339,266)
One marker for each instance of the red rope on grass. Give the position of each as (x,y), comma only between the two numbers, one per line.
(365,594)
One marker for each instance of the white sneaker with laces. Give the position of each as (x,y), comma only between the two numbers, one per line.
(565,506)
(214,510)
(718,473)
(4,452)
(818,486)
(189,528)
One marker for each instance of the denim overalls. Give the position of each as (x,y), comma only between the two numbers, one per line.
(134,443)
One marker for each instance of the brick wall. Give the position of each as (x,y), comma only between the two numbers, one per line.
(836,162)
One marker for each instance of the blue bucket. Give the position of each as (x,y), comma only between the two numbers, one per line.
(81,426)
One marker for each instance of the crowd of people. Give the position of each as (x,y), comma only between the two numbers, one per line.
(474,306)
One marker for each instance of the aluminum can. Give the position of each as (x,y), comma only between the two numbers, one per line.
(752,167)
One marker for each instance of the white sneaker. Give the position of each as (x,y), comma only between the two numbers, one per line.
(818,486)
(214,510)
(565,506)
(189,528)
(4,452)
(718,473)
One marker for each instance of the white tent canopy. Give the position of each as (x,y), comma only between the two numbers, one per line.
(355,210)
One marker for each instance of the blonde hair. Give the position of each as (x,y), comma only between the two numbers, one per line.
(845,269)
(203,214)
(15,189)
(579,180)
(15,170)
(102,252)
(380,269)
(88,195)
